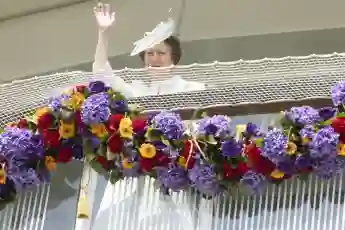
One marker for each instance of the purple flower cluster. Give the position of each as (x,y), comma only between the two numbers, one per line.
(231,148)
(96,87)
(324,144)
(173,177)
(307,131)
(217,125)
(274,146)
(57,102)
(170,124)
(19,150)
(329,168)
(204,178)
(95,109)
(338,94)
(304,115)
(255,182)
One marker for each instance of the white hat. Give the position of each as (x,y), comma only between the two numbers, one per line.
(161,32)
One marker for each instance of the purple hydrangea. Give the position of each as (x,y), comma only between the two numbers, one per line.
(274,146)
(173,177)
(170,124)
(338,94)
(96,87)
(255,182)
(56,103)
(119,106)
(95,109)
(304,115)
(231,148)
(252,130)
(324,143)
(329,168)
(20,150)
(204,178)
(307,131)
(303,162)
(217,125)
(327,113)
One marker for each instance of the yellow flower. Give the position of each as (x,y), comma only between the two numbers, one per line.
(42,111)
(3,174)
(125,128)
(99,130)
(66,131)
(305,140)
(126,164)
(182,161)
(50,163)
(291,148)
(147,151)
(341,150)
(76,100)
(277,174)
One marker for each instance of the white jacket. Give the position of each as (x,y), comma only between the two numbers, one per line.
(137,88)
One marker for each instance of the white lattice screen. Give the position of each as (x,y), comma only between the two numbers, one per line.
(232,83)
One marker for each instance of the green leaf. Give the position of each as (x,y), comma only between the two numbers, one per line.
(97,167)
(89,154)
(259,141)
(340,115)
(114,176)
(2,130)
(303,176)
(211,140)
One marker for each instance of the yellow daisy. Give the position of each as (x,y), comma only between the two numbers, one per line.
(277,174)
(125,128)
(147,151)
(126,164)
(66,131)
(76,100)
(341,150)
(50,163)
(291,148)
(99,130)
(3,174)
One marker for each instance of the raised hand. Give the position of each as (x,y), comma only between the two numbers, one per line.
(105,18)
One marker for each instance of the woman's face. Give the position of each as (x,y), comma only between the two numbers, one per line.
(158,56)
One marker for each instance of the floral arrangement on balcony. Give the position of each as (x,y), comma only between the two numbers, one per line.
(94,123)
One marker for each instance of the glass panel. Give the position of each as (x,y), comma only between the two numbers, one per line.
(51,207)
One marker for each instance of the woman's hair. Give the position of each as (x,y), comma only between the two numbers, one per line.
(175,46)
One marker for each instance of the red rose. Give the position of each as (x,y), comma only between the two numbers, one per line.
(147,164)
(257,162)
(160,159)
(65,155)
(51,138)
(234,173)
(23,124)
(45,121)
(115,144)
(80,88)
(192,152)
(114,122)
(103,161)
(338,125)
(139,125)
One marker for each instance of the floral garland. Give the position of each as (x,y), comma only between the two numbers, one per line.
(95,123)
